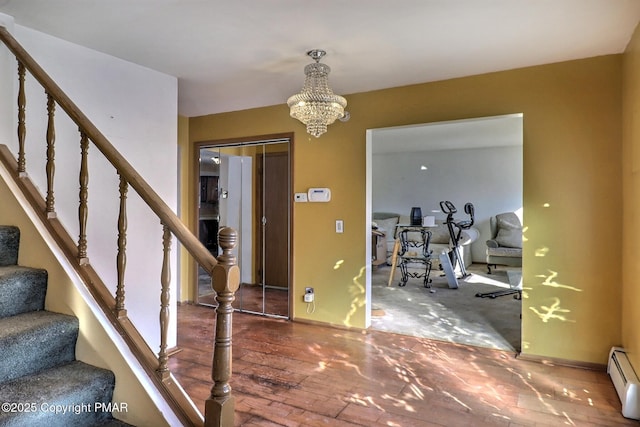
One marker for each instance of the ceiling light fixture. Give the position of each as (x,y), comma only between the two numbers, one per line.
(316,105)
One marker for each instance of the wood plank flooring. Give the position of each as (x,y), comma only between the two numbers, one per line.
(294,374)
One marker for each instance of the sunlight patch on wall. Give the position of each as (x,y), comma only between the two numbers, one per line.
(555,311)
(357,292)
(550,281)
(540,252)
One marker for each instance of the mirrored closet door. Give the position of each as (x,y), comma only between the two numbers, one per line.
(246,186)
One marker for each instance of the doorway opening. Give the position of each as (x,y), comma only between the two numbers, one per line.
(472,160)
(246,185)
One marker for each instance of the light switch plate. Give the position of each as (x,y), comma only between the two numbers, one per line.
(300,197)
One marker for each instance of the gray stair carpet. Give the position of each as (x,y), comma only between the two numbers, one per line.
(41,382)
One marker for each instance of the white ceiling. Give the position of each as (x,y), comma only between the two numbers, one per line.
(232,55)
(496,131)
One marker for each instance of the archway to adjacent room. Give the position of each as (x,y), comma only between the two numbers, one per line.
(473,160)
(246,184)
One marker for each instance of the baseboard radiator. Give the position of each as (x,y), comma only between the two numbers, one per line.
(625,381)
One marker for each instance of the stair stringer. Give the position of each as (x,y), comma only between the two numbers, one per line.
(99,343)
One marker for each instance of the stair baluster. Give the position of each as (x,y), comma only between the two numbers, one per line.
(22,128)
(165,280)
(50,167)
(121,260)
(83,211)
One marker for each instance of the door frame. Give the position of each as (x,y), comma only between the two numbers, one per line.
(195,164)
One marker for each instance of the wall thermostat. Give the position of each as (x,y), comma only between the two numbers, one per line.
(319,194)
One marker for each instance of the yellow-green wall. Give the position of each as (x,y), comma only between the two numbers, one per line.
(187,272)
(631,197)
(572,194)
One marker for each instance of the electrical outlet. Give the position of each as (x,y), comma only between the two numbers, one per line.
(308,295)
(339,226)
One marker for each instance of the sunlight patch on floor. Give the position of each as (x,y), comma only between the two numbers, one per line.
(475,278)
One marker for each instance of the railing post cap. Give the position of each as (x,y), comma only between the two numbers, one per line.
(226,274)
(228,238)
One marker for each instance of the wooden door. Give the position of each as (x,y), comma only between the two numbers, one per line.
(274,200)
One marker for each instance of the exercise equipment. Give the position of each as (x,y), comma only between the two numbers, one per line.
(517,294)
(415,252)
(455,233)
(445,264)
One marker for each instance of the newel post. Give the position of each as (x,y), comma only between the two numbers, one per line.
(225,277)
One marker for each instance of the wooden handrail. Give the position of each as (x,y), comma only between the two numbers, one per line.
(151,198)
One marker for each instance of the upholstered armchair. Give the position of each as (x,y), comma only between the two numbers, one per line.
(505,245)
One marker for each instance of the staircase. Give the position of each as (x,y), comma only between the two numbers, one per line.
(41,382)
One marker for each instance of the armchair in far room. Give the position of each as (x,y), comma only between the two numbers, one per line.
(505,245)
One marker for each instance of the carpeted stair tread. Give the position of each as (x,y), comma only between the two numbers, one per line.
(22,289)
(9,243)
(76,387)
(37,355)
(32,342)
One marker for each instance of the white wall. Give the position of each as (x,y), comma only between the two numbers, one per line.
(8,80)
(490,178)
(136,109)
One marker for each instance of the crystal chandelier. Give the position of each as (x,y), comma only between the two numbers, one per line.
(316,105)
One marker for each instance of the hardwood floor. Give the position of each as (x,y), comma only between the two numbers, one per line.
(294,374)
